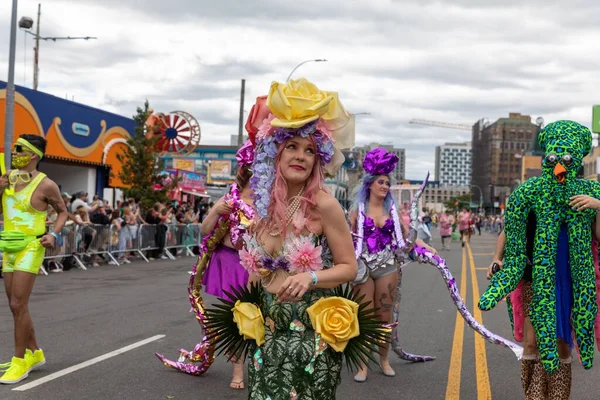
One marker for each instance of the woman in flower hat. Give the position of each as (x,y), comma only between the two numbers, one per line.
(377,225)
(219,267)
(300,250)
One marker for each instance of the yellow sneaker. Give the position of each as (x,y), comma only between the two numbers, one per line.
(5,366)
(16,373)
(34,359)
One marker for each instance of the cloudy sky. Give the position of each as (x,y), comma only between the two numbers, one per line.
(453,61)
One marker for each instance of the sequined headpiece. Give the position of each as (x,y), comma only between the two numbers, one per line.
(380,162)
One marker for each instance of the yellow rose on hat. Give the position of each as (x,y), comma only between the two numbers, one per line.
(336,320)
(250,321)
(296,103)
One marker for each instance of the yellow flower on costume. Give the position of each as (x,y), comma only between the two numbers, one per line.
(336,320)
(298,102)
(250,321)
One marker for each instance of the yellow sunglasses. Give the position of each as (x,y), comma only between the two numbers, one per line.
(24,177)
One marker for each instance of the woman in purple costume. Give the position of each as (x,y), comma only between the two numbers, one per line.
(224,269)
(375,223)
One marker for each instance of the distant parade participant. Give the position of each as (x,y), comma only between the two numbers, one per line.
(375,223)
(446,222)
(464,226)
(26,195)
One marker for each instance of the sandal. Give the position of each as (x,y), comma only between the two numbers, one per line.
(237,385)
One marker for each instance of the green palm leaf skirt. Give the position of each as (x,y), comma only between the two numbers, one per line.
(294,361)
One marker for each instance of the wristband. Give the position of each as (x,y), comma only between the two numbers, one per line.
(315,279)
(58,238)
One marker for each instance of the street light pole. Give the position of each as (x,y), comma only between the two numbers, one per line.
(480,195)
(240,139)
(26,23)
(301,64)
(9,119)
(36,50)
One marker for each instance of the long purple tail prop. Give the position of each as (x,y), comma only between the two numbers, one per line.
(425,256)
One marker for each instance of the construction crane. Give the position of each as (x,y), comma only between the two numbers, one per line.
(462,127)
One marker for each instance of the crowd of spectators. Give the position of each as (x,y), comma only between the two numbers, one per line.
(95,218)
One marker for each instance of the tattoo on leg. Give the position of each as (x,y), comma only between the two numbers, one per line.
(382,299)
(392,291)
(385,306)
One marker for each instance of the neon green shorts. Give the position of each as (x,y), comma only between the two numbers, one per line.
(29,259)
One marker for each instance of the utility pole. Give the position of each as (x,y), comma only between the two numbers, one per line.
(9,119)
(26,24)
(240,140)
(36,50)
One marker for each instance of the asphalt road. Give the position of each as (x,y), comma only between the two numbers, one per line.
(82,315)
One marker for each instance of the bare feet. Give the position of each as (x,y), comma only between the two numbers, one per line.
(237,380)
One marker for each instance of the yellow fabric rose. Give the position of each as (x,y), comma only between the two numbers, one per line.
(298,102)
(250,321)
(336,320)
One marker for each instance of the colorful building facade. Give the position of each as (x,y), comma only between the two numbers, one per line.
(83,142)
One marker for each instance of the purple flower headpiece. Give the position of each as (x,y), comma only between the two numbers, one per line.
(245,155)
(379,162)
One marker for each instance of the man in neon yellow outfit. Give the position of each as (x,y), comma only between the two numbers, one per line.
(26,195)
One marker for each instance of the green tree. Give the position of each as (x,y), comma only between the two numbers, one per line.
(456,204)
(142,166)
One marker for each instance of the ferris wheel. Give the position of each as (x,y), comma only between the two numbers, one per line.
(176,132)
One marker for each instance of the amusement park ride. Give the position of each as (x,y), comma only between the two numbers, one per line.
(177,132)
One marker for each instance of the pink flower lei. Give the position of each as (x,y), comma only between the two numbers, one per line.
(236,228)
(299,254)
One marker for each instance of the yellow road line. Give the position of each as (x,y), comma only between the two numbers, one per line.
(484,391)
(453,387)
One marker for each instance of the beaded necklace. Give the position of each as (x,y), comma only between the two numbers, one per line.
(291,211)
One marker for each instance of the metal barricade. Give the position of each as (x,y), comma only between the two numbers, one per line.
(68,248)
(95,240)
(149,240)
(192,238)
(123,241)
(180,238)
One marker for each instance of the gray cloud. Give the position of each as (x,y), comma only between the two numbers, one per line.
(451,61)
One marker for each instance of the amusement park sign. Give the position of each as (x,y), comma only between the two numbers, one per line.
(188,181)
(192,182)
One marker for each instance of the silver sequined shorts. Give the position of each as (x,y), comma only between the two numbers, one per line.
(376,265)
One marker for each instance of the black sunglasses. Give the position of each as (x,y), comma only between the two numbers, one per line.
(20,149)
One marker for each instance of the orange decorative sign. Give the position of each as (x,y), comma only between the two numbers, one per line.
(183,164)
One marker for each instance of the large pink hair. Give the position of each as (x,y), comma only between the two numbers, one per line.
(277,210)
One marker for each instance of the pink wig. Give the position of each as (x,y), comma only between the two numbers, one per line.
(277,210)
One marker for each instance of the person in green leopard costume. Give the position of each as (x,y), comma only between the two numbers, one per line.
(563,287)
